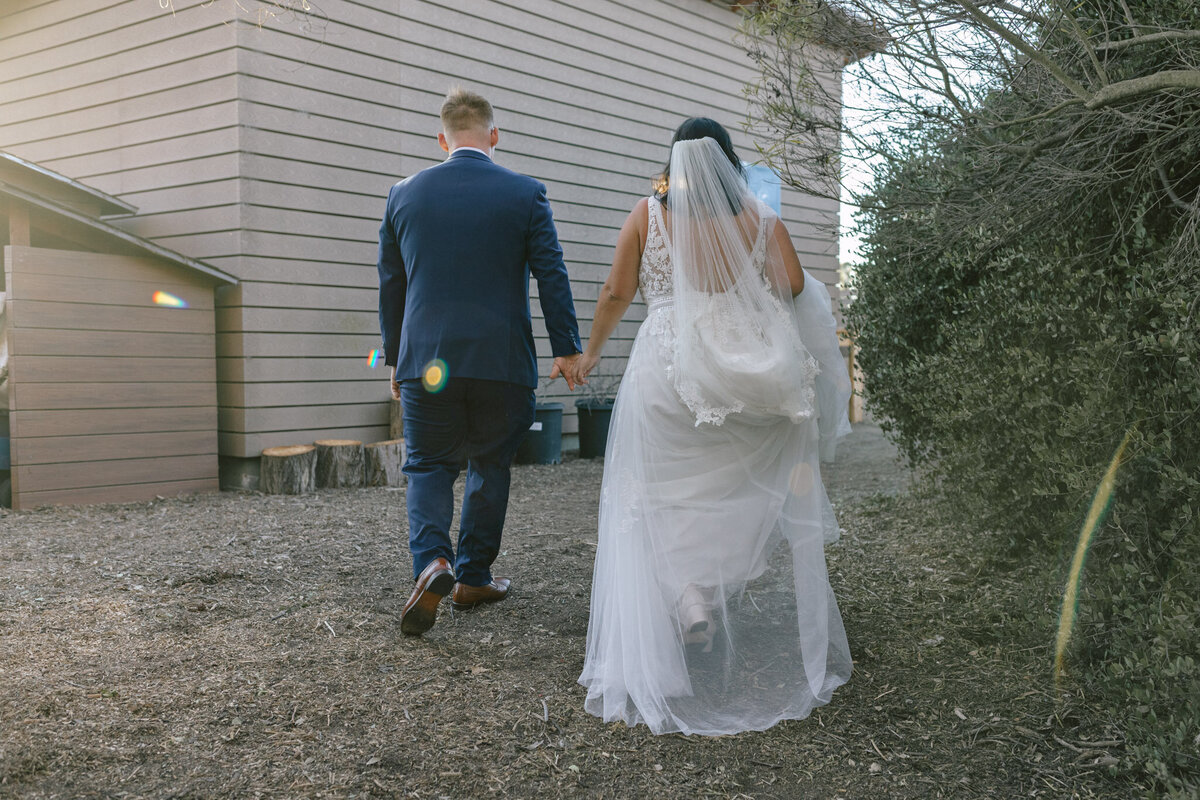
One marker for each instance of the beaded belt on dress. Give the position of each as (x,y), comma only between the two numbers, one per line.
(657,303)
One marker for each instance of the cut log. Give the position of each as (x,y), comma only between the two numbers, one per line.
(339,463)
(395,420)
(384,460)
(288,470)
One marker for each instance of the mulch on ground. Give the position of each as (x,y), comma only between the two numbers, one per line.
(242,645)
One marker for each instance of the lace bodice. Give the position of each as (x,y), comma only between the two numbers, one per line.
(654,273)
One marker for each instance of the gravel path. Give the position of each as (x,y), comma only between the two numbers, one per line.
(241,645)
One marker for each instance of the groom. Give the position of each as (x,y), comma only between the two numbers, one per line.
(456,248)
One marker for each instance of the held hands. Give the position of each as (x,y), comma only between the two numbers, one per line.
(566,367)
(584,366)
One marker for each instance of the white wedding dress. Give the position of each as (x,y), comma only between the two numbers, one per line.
(712,508)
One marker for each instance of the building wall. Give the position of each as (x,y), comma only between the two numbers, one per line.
(111,398)
(262,139)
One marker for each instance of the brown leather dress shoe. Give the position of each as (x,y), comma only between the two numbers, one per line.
(434,583)
(470,596)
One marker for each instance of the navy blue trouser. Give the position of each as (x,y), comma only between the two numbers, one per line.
(470,423)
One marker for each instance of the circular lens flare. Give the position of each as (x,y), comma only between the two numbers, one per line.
(434,376)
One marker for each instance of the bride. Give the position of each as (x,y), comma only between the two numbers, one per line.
(711,609)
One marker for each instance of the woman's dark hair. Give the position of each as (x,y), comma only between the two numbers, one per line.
(698,128)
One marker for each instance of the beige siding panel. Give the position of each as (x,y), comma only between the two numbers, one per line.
(56,26)
(257,370)
(85,474)
(329,248)
(189,169)
(109,292)
(288,320)
(72,263)
(266,395)
(337,228)
(57,396)
(294,295)
(298,345)
(278,169)
(206,246)
(92,317)
(185,222)
(206,109)
(69,369)
(117,494)
(150,151)
(52,342)
(292,418)
(165,151)
(67,449)
(203,194)
(127,50)
(570,37)
(34,14)
(303,270)
(104,421)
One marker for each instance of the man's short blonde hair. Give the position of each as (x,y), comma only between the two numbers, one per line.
(463,110)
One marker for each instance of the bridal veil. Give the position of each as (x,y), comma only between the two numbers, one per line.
(711,609)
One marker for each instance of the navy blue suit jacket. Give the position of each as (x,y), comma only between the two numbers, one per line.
(456,248)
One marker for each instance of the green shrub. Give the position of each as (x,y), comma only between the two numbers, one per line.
(1009,365)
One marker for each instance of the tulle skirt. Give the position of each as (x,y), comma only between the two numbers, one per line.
(719,524)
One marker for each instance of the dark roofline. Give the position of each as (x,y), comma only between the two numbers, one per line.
(108,230)
(111,206)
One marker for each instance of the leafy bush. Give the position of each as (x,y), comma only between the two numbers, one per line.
(1009,362)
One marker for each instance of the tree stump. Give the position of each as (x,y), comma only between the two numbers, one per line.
(395,420)
(339,463)
(384,460)
(288,470)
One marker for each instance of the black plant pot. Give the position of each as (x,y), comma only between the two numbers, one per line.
(594,417)
(543,441)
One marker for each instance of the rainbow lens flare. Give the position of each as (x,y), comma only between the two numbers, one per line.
(434,376)
(1095,517)
(373,359)
(169,300)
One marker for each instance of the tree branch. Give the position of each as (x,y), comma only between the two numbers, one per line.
(1149,38)
(1123,90)
(1020,44)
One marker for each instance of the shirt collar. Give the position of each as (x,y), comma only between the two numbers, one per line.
(473,149)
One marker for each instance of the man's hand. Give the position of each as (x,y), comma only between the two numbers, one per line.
(565,366)
(395,386)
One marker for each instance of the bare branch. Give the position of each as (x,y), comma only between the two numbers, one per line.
(1157,82)
(1026,48)
(1149,38)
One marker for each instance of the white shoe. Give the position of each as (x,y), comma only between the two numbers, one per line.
(695,617)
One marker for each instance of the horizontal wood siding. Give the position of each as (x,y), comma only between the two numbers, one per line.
(266,147)
(586,96)
(112,397)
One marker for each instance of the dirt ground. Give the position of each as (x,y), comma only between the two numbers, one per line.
(242,645)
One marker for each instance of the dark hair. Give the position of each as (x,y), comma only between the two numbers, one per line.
(698,128)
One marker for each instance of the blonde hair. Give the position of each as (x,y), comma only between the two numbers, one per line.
(463,110)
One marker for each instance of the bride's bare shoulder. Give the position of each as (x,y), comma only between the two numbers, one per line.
(640,218)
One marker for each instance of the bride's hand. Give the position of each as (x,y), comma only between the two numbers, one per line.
(583,367)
